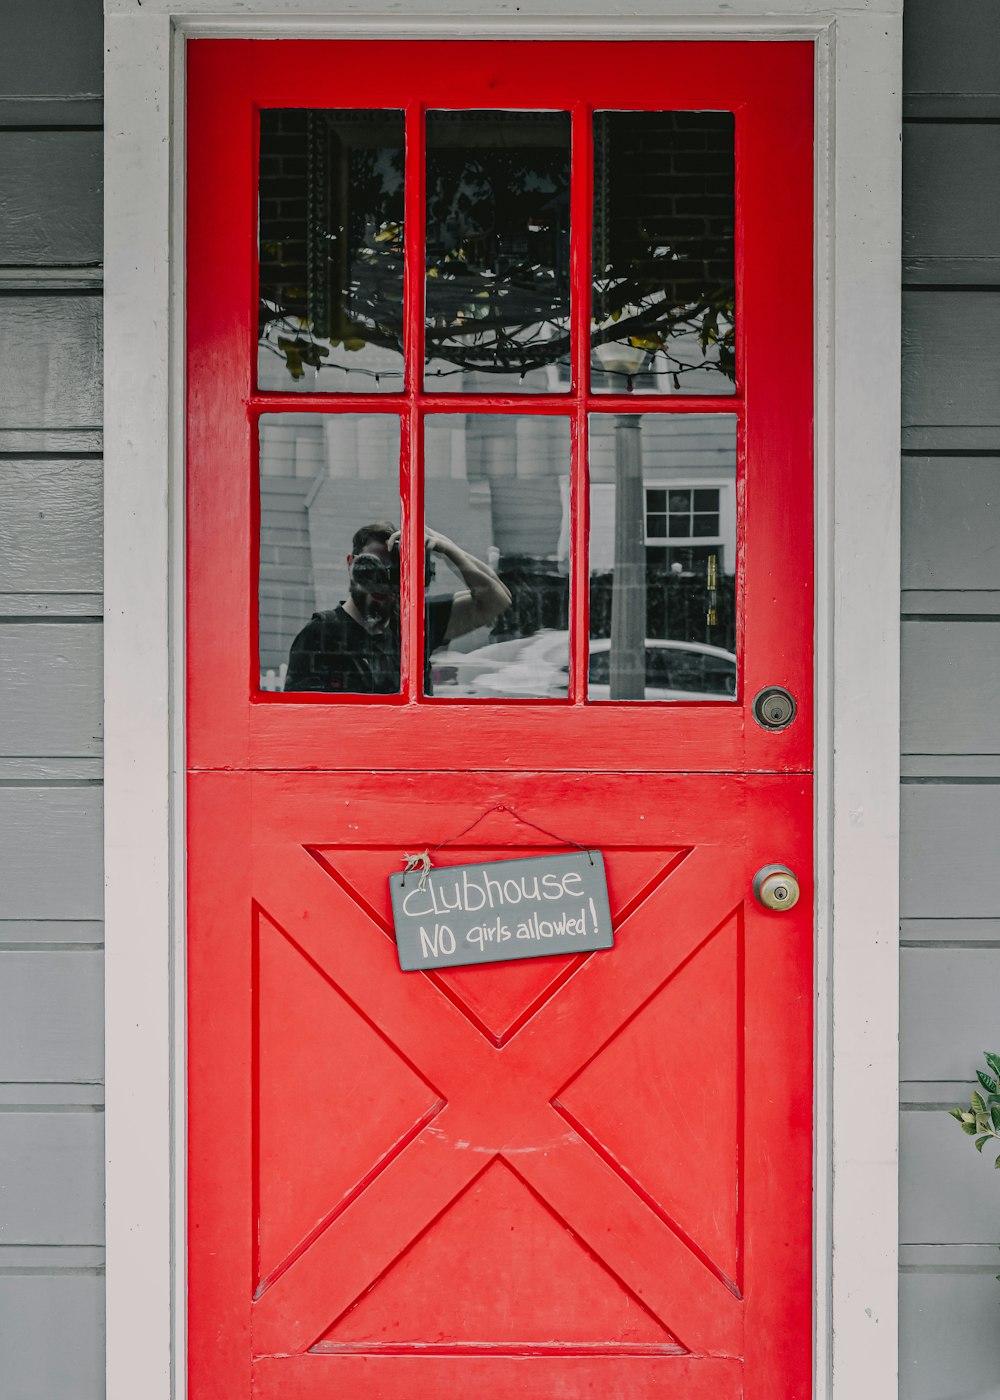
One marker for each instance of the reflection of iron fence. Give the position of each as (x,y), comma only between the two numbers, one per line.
(539,597)
(676,606)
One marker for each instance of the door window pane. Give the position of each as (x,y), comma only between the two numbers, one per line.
(497,313)
(329,568)
(331,251)
(663,558)
(497,486)
(664,280)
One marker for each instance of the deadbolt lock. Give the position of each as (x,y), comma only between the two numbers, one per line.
(774,707)
(776,887)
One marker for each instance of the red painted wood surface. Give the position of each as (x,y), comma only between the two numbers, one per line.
(571,1177)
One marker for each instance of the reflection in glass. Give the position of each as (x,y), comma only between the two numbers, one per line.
(664,280)
(328,588)
(662,557)
(497,485)
(497,313)
(331,250)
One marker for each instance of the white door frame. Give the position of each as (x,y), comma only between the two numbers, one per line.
(858,83)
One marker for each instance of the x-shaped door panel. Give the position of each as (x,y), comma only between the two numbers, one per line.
(499,1100)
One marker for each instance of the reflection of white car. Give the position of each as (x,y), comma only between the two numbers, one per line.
(539,666)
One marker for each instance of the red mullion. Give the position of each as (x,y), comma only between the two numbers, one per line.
(581,287)
(259,404)
(412,437)
(664,403)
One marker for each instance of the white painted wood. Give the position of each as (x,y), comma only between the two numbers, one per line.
(139,760)
(858,96)
(52,1194)
(51,1337)
(51,1017)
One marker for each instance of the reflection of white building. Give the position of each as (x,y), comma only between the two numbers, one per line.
(492,482)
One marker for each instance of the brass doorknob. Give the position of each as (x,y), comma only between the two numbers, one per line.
(776,887)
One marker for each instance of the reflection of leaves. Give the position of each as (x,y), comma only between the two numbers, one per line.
(300,352)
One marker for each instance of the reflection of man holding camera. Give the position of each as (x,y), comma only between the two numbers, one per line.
(354,647)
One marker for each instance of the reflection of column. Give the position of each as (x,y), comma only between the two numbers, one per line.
(628,586)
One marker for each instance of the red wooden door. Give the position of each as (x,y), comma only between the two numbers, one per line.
(581,1176)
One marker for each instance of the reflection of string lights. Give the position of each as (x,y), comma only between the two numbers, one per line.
(673,367)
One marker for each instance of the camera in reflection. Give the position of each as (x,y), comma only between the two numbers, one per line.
(379,574)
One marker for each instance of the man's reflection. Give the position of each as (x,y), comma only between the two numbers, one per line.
(354,647)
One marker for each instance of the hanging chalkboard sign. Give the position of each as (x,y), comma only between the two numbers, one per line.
(500,911)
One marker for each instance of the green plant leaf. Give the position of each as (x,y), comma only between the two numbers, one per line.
(978,1103)
(968,1117)
(981,1142)
(956,1113)
(997,1163)
(990,1085)
(970,1128)
(993,1061)
(995,1117)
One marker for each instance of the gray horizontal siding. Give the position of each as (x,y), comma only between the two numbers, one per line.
(50,198)
(51,973)
(51,1335)
(951,59)
(950,895)
(51,63)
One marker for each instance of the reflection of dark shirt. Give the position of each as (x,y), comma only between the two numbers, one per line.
(333,652)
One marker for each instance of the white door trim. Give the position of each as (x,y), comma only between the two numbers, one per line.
(857,549)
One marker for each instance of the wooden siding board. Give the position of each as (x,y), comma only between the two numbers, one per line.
(951,203)
(51,701)
(51,1017)
(947,1192)
(53,1186)
(951,50)
(951,349)
(949,867)
(50,526)
(52,1337)
(949,1339)
(51,349)
(951,508)
(51,853)
(950,690)
(948,1015)
(50,198)
(52,58)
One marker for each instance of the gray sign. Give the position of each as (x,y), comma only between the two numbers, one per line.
(501,910)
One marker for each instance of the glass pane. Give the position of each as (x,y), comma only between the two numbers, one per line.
(497,487)
(664,280)
(662,616)
(331,251)
(329,566)
(497,251)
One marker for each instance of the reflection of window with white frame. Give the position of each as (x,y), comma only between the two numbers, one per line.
(690,518)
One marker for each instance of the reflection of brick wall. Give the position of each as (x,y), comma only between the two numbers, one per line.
(666,180)
(283,169)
